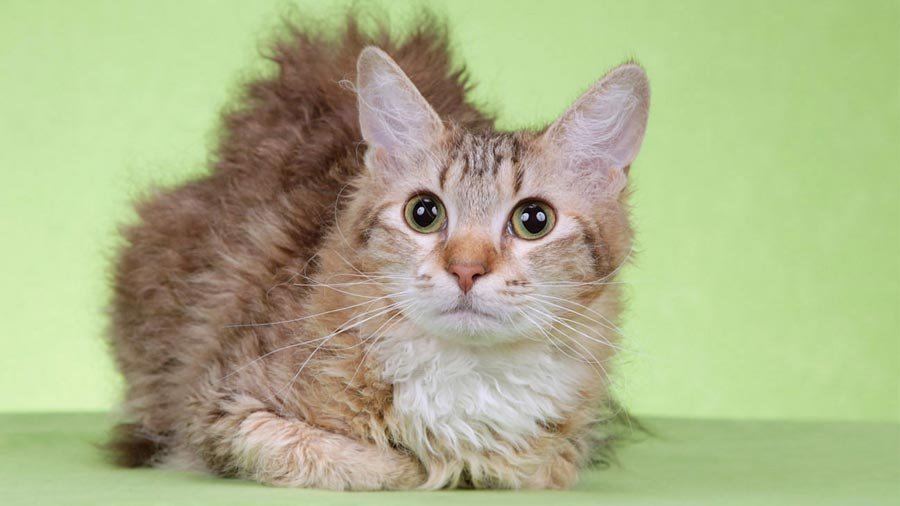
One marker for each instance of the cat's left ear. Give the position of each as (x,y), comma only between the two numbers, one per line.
(396,120)
(601,134)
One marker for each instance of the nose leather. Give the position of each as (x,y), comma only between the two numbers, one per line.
(466,274)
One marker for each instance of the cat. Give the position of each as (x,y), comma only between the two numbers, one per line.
(373,288)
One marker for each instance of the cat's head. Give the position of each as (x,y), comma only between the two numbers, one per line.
(484,236)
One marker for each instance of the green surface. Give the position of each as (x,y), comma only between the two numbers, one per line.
(766,283)
(51,459)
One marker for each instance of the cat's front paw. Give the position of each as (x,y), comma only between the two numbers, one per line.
(560,473)
(409,473)
(371,468)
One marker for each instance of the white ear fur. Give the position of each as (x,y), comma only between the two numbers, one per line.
(393,115)
(602,132)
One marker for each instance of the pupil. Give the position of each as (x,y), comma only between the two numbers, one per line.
(425,212)
(533,218)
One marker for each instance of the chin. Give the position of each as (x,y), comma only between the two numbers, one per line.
(471,328)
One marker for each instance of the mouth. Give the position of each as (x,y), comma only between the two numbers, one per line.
(466,323)
(467,312)
(464,309)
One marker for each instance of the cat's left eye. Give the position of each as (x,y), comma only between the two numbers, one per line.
(533,219)
(425,213)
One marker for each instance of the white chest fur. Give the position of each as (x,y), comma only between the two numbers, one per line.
(473,399)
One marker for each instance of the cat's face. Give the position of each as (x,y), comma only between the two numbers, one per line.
(490,237)
(479,239)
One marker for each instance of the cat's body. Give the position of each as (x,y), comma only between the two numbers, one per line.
(263,315)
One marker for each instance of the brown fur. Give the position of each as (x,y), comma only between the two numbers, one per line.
(213,382)
(287,151)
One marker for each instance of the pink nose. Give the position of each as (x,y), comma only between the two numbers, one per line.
(466,274)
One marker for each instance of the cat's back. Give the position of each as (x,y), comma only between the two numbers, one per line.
(288,148)
(207,253)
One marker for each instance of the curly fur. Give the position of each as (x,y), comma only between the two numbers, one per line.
(218,333)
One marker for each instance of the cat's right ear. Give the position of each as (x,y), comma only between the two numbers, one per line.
(396,121)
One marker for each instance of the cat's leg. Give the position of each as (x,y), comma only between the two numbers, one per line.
(244,438)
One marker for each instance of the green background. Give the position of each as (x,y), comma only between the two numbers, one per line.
(767,283)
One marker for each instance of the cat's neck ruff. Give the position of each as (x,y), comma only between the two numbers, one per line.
(473,398)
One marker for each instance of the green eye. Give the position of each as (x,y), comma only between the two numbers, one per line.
(425,213)
(533,220)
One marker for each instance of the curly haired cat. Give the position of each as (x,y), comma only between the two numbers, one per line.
(373,288)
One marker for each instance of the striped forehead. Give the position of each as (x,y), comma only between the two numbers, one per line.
(483,170)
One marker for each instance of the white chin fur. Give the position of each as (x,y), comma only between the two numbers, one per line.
(476,398)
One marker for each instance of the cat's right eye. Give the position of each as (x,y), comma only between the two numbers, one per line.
(425,213)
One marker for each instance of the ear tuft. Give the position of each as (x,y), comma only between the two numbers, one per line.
(393,114)
(602,132)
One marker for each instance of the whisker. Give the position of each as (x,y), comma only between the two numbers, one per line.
(293,274)
(334,287)
(341,328)
(605,373)
(601,339)
(374,275)
(596,361)
(319,347)
(579,283)
(556,343)
(343,283)
(349,263)
(606,323)
(307,317)
(398,308)
(372,346)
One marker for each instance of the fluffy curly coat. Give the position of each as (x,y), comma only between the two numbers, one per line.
(277,319)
